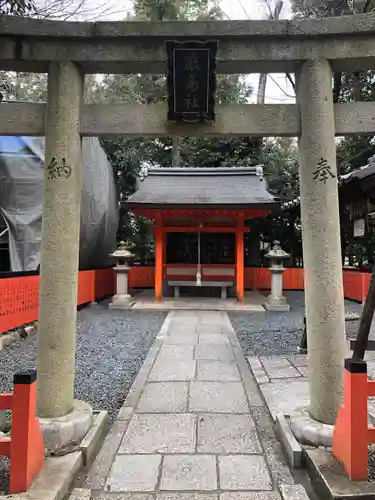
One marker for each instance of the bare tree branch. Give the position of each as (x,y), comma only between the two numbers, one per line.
(293,83)
(280,87)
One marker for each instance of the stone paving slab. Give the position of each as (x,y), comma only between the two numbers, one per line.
(173,370)
(199,429)
(134,473)
(286,395)
(278,367)
(174,352)
(216,371)
(178,338)
(224,434)
(254,495)
(189,472)
(244,472)
(220,352)
(213,338)
(174,433)
(217,397)
(299,360)
(164,397)
(100,495)
(187,496)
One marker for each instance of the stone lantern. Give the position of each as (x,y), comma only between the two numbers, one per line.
(276,301)
(122,299)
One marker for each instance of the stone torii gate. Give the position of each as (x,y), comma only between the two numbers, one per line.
(67,50)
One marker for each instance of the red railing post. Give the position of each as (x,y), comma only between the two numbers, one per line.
(351,434)
(26,448)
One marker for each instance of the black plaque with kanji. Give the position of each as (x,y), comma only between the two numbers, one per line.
(191,81)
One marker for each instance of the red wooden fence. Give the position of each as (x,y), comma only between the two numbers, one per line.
(19,295)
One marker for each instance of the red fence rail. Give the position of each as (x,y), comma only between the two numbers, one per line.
(19,295)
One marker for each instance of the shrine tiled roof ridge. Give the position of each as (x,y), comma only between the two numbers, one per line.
(174,187)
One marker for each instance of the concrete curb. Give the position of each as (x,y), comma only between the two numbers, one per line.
(292,448)
(95,435)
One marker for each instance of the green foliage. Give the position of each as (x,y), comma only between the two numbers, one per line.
(280,159)
(16,7)
(23,86)
(320,8)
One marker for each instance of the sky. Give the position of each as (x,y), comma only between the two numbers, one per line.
(278,90)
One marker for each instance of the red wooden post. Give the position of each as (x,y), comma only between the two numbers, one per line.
(26,447)
(351,434)
(159,236)
(164,255)
(240,257)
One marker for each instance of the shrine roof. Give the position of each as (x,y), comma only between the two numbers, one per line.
(241,187)
(361,174)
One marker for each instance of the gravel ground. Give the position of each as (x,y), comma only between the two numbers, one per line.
(111,347)
(267,334)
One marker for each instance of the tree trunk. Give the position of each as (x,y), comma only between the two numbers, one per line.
(176,152)
(366,320)
(262,88)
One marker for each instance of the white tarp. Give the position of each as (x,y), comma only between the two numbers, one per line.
(21,199)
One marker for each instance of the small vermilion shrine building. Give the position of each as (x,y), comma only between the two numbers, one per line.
(200,217)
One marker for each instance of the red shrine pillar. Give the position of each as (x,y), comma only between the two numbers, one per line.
(240,258)
(159,258)
(164,255)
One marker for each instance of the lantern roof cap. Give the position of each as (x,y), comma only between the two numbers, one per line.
(121,251)
(277,252)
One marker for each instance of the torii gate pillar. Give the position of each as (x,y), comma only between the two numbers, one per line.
(321,241)
(59,260)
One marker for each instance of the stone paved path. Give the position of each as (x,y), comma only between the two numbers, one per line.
(194,424)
